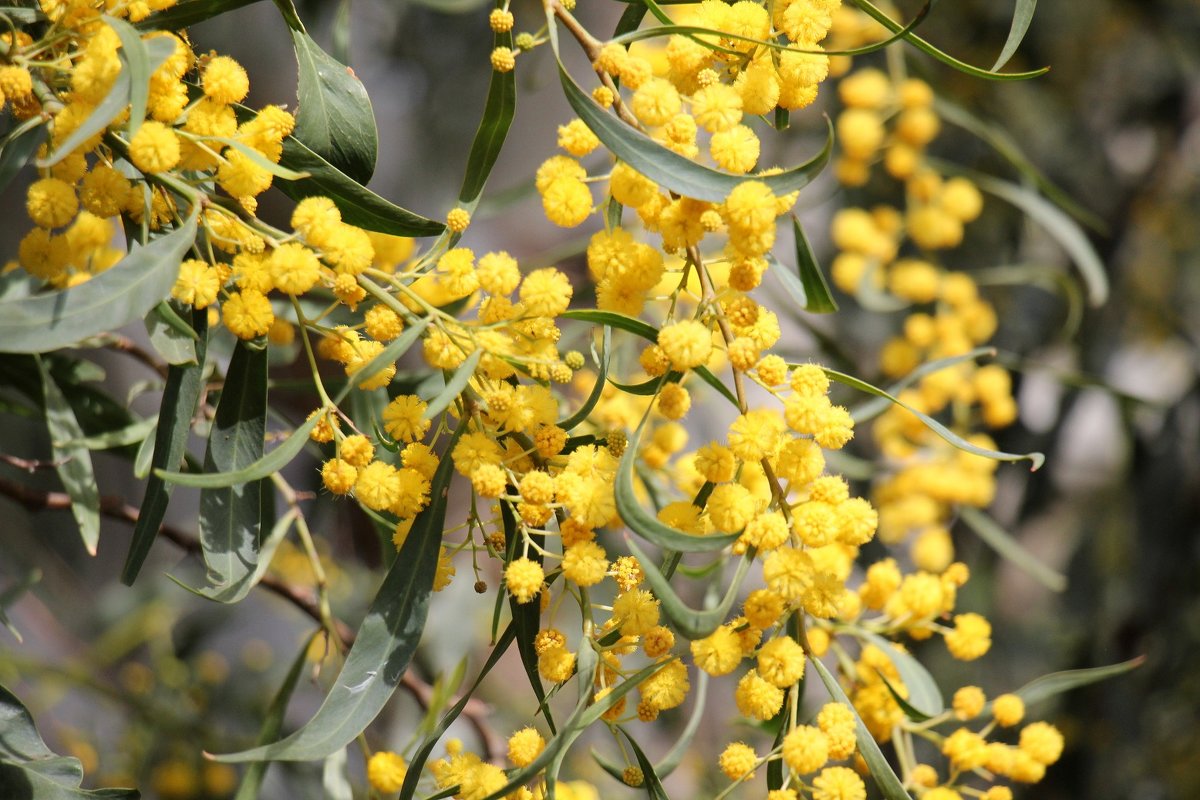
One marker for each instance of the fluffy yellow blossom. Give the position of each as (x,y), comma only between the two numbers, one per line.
(386,771)
(737,761)
(524,577)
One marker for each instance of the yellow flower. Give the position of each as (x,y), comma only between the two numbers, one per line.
(224,80)
(687,344)
(635,612)
(294,268)
(546,292)
(971,637)
(781,661)
(968,702)
(338,476)
(584,563)
(524,746)
(386,771)
(839,783)
(154,148)
(197,285)
(758,698)
(247,314)
(51,202)
(523,577)
(737,761)
(719,653)
(805,749)
(1008,709)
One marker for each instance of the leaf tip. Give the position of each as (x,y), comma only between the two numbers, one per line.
(1036,460)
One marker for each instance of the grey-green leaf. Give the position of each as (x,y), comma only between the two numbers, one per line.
(264,467)
(873,408)
(135,57)
(359,205)
(1055,683)
(1000,540)
(19,147)
(73,461)
(167,334)
(923,692)
(334,118)
(231,516)
(454,386)
(189,12)
(885,777)
(180,395)
(1022,16)
(688,621)
(383,646)
(119,295)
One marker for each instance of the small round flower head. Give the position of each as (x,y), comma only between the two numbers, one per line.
(968,702)
(836,721)
(1042,741)
(658,641)
(338,476)
(524,746)
(688,344)
(737,761)
(386,771)
(719,653)
(524,577)
(501,20)
(1008,709)
(635,611)
(970,638)
(51,202)
(758,698)
(225,80)
(404,418)
(839,783)
(154,148)
(805,749)
(966,749)
(503,59)
(632,776)
(585,563)
(781,661)
(458,219)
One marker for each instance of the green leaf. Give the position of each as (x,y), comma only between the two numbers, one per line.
(816,290)
(359,205)
(1060,226)
(674,757)
(925,47)
(909,710)
(163,324)
(1000,540)
(19,147)
(189,12)
(923,692)
(334,118)
(384,644)
(256,158)
(388,355)
(873,408)
(597,389)
(26,16)
(525,616)
(334,780)
(1022,16)
(454,386)
(180,395)
(645,524)
(273,724)
(498,111)
(1056,683)
(688,621)
(651,782)
(416,765)
(231,524)
(1036,459)
(885,777)
(74,462)
(671,170)
(118,97)
(135,58)
(264,467)
(119,295)
(12,594)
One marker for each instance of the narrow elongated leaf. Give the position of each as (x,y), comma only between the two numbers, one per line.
(645,524)
(498,111)
(74,462)
(923,692)
(650,780)
(384,644)
(1056,683)
(14,593)
(334,118)
(1059,225)
(670,169)
(885,777)
(925,47)
(174,346)
(1036,459)
(135,57)
(674,757)
(394,349)
(1022,16)
(186,13)
(264,467)
(180,395)
(259,160)
(597,389)
(20,146)
(119,295)
(253,777)
(231,516)
(454,387)
(1000,540)
(691,623)
(525,617)
(873,408)
(816,291)
(334,780)
(359,205)
(416,764)
(23,782)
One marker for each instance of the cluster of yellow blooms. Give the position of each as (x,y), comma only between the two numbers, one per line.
(691,265)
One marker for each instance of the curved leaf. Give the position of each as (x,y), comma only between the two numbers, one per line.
(670,169)
(334,118)
(650,780)
(1000,540)
(1048,686)
(119,295)
(19,147)
(189,12)
(691,623)
(816,294)
(498,113)
(359,205)
(394,349)
(923,692)
(885,777)
(873,408)
(73,461)
(166,330)
(1022,16)
(925,47)
(135,58)
(454,386)
(1036,459)
(180,395)
(597,389)
(383,646)
(264,467)
(231,516)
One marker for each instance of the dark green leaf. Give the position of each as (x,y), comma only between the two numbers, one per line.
(670,169)
(885,777)
(1022,16)
(169,339)
(264,467)
(1036,459)
(189,12)
(925,47)
(73,462)
(127,291)
(334,118)
(923,692)
(691,623)
(180,395)
(384,644)
(597,389)
(19,147)
(525,616)
(498,111)
(1056,683)
(273,724)
(1000,540)
(359,205)
(650,780)
(454,386)
(231,516)
(816,291)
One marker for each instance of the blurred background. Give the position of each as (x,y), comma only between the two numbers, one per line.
(133,680)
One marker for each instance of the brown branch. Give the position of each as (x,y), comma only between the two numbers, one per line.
(476,711)
(30,465)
